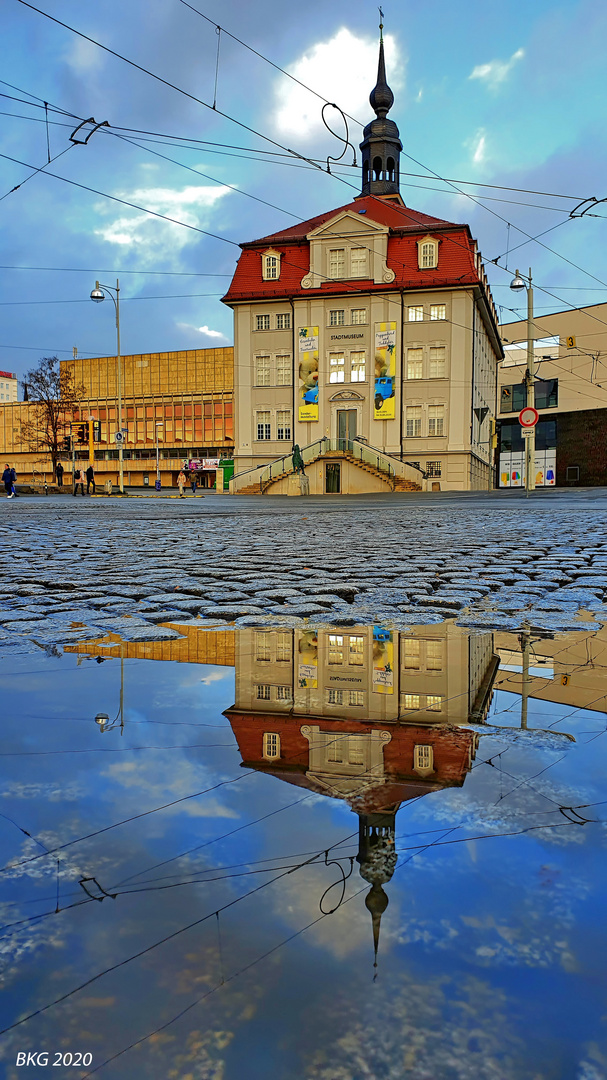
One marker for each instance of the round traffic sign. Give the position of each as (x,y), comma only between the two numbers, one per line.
(528,417)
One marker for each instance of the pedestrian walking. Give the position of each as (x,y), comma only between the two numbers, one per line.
(59,474)
(7,480)
(78,481)
(181,483)
(14,482)
(193,482)
(90,479)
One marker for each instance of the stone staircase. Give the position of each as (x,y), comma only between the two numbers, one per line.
(358,454)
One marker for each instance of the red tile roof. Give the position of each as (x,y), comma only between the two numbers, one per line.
(456,261)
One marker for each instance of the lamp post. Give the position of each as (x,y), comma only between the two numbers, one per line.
(516,285)
(158,426)
(98,294)
(102,719)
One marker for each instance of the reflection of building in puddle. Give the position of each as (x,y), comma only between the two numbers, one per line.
(195,646)
(568,670)
(367,715)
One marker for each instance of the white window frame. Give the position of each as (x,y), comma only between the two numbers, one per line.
(438,312)
(423,757)
(427,253)
(284,693)
(284,369)
(336,261)
(262,322)
(337,317)
(335,643)
(415,313)
(337,367)
(436,423)
(270,265)
(284,650)
(358,317)
(437,364)
(263,370)
(263,691)
(283,320)
(271,745)
(358,265)
(358,373)
(414,420)
(266,424)
(283,426)
(263,647)
(415,363)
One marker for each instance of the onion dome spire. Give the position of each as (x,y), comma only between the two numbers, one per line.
(381,145)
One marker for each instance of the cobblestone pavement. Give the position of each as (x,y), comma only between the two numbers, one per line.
(78,569)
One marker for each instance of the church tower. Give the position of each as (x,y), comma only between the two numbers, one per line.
(381,145)
(377,860)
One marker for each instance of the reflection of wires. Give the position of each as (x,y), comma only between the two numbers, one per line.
(340,883)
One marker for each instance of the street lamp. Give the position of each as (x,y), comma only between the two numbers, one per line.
(102,719)
(517,284)
(159,424)
(98,294)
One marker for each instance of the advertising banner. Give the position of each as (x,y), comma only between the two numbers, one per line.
(308,373)
(512,468)
(307,670)
(383,661)
(385,370)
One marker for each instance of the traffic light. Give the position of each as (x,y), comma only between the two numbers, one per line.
(67,443)
(96,430)
(82,433)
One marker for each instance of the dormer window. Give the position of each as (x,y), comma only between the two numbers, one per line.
(337,263)
(270,265)
(427,253)
(358,262)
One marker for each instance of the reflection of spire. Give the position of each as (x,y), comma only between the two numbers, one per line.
(376,901)
(377,858)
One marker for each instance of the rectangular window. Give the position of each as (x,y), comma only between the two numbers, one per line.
(415,359)
(263,426)
(359,316)
(434,655)
(356,652)
(337,318)
(335,697)
(263,692)
(283,322)
(416,314)
(336,649)
(283,693)
(423,757)
(414,421)
(546,393)
(262,322)
(337,367)
(434,703)
(271,745)
(356,697)
(433,468)
(411,702)
(335,749)
(262,371)
(573,472)
(358,262)
(436,419)
(437,361)
(356,750)
(412,653)
(283,425)
(270,267)
(337,263)
(357,366)
(438,311)
(427,258)
(283,370)
(283,646)
(263,646)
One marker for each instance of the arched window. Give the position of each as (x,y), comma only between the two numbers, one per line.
(270,265)
(271,745)
(427,253)
(377,169)
(365,173)
(390,169)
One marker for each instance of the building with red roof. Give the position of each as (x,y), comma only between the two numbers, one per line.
(368,337)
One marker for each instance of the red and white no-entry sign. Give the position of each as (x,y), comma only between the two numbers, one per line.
(528,417)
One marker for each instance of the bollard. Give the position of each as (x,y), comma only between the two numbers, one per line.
(108,487)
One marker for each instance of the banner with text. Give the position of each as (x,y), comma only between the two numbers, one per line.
(385,370)
(307,668)
(308,373)
(383,661)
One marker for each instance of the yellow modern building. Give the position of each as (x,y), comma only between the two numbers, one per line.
(181,401)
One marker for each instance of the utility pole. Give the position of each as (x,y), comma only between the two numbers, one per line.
(516,285)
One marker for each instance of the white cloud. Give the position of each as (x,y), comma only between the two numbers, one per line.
(201,330)
(151,236)
(342,70)
(478,156)
(496,71)
(83,57)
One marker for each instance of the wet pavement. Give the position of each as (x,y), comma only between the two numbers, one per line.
(320,816)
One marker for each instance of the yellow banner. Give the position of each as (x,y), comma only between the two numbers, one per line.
(385,370)
(308,373)
(383,661)
(307,669)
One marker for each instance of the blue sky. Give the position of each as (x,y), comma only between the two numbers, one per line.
(492,94)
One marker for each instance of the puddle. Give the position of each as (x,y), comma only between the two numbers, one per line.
(311,854)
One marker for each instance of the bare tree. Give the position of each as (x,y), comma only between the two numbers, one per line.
(53,395)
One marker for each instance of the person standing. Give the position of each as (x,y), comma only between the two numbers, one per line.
(59,474)
(78,481)
(181,483)
(7,481)
(90,479)
(193,482)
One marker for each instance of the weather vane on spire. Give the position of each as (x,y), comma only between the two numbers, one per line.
(381,24)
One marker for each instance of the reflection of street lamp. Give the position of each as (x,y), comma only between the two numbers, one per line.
(98,294)
(102,719)
(159,424)
(516,285)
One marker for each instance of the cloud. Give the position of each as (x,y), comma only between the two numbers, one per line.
(151,237)
(83,57)
(496,71)
(478,156)
(340,69)
(201,330)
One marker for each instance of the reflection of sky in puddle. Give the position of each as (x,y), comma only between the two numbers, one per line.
(488,954)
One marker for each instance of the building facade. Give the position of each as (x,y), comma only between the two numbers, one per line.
(368,337)
(9,386)
(570,396)
(182,400)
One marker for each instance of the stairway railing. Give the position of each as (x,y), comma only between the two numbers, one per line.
(391,467)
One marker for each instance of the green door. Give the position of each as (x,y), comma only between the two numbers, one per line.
(332,478)
(346,424)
